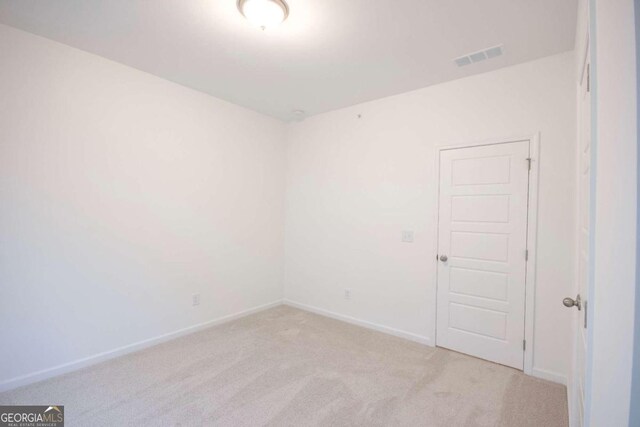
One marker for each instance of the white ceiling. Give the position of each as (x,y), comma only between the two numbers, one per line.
(328,54)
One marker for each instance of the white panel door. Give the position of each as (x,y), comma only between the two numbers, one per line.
(584,155)
(482,241)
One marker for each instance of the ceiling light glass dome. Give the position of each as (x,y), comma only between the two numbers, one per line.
(264,13)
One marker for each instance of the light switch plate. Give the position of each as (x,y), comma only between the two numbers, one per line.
(407,236)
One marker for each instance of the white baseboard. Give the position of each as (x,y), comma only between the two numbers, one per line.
(359,322)
(549,376)
(121,351)
(140,345)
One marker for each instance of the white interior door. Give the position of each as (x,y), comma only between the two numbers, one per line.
(584,158)
(482,241)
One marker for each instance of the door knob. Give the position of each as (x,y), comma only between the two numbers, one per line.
(443,258)
(570,302)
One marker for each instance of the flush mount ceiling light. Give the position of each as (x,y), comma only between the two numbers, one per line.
(264,13)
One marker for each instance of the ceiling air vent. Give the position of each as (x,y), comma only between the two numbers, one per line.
(478,56)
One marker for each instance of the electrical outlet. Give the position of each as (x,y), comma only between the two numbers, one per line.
(195,299)
(407,236)
(347,293)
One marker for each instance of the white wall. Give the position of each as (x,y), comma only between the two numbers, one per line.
(121,194)
(353,184)
(613,296)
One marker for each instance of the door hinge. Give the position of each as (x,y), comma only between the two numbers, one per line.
(529,162)
(526,254)
(524,345)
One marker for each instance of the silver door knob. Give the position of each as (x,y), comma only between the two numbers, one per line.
(570,302)
(443,258)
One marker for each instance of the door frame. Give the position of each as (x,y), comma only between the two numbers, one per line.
(532,232)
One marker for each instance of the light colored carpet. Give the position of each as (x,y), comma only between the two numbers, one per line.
(287,367)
